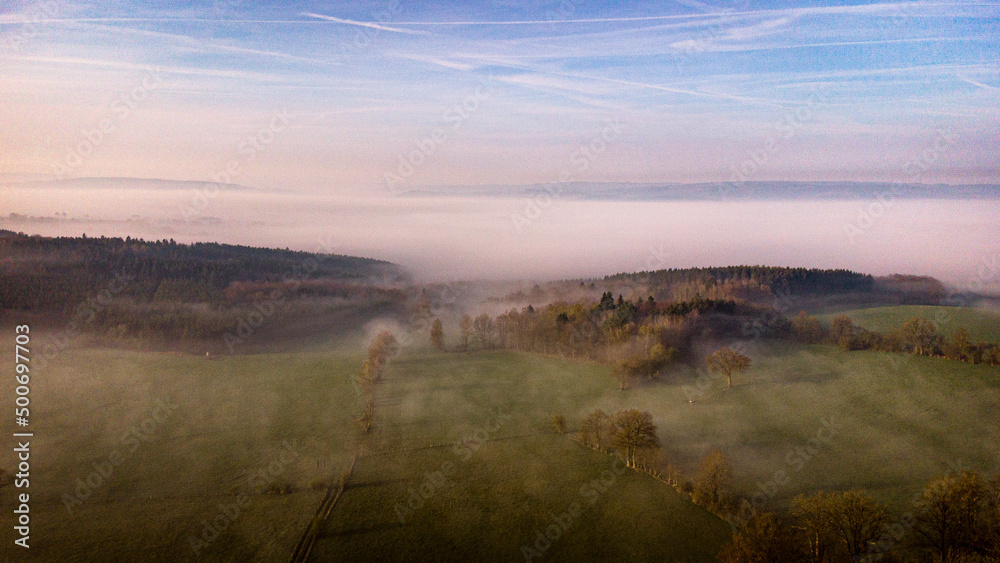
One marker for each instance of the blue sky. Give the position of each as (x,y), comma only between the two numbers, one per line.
(367,97)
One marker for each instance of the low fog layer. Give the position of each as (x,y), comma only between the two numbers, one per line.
(442,239)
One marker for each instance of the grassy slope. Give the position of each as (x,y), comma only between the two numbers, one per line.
(233,415)
(981,324)
(904,419)
(505,490)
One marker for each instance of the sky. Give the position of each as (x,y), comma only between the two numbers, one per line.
(356,98)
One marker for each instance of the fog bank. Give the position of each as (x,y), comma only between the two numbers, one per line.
(442,239)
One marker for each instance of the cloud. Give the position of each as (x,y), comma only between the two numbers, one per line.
(979,84)
(371,25)
(440,62)
(73,61)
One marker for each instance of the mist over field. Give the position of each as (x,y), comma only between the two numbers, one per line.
(387,280)
(540,237)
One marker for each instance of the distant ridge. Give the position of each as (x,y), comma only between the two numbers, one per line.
(127,184)
(718,191)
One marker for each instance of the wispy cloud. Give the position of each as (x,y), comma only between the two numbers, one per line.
(454,65)
(371,25)
(693,77)
(979,84)
(216,73)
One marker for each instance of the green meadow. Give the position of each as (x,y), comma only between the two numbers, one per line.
(983,325)
(474,432)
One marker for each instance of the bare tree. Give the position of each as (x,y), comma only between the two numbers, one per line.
(727,361)
(633,430)
(952,515)
(482,328)
(713,481)
(815,519)
(593,428)
(858,520)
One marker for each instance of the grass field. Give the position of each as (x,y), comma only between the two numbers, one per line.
(983,325)
(288,415)
(512,473)
(898,420)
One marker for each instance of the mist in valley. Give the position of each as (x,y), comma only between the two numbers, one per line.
(447,239)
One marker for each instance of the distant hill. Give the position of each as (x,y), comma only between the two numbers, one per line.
(784,280)
(787,289)
(42,273)
(719,191)
(133,184)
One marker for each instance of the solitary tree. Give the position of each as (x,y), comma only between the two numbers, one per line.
(631,431)
(713,481)
(437,335)
(728,361)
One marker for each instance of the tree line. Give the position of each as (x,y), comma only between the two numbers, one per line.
(382,348)
(57,273)
(643,337)
(918,336)
(954,519)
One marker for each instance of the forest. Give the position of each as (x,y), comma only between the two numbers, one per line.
(57,273)
(145,290)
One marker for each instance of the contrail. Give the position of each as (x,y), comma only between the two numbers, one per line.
(364,24)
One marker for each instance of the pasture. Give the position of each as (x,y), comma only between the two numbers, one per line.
(983,325)
(473,431)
